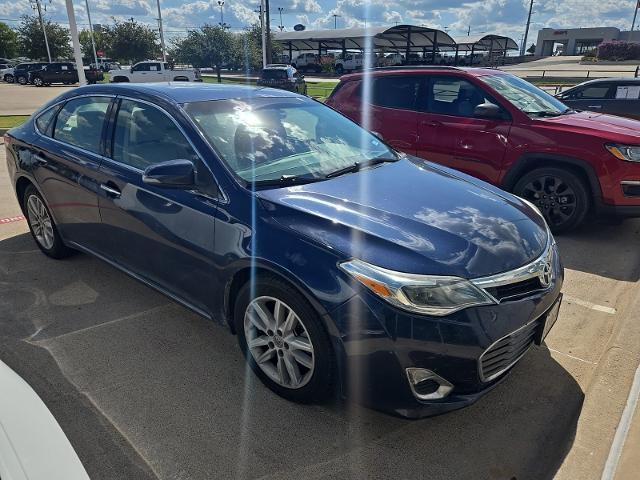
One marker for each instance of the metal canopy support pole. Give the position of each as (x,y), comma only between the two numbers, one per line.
(77,53)
(491,52)
(344,48)
(290,52)
(455,62)
(435,47)
(408,48)
(473,48)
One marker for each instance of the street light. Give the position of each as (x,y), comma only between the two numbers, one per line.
(281,26)
(523,47)
(93,43)
(164,54)
(38,7)
(335,20)
(222,24)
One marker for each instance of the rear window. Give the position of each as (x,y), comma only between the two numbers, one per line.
(272,74)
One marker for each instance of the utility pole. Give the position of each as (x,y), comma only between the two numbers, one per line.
(164,55)
(268,28)
(77,52)
(263,30)
(281,26)
(44,30)
(335,20)
(523,47)
(93,43)
(635,15)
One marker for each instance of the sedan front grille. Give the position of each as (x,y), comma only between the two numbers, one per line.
(515,290)
(504,353)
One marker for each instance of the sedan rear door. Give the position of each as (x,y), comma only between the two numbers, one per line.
(163,235)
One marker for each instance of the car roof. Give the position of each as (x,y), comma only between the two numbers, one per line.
(612,80)
(183,92)
(424,69)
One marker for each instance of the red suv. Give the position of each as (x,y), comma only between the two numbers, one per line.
(503,130)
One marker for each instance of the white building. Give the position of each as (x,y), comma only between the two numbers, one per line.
(578,41)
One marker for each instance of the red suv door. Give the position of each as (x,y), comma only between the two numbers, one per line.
(450,134)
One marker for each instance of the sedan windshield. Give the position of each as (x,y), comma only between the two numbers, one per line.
(525,96)
(266,140)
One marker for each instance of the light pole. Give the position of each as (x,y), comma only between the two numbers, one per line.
(77,53)
(281,26)
(335,20)
(222,24)
(635,15)
(44,30)
(164,55)
(93,43)
(523,47)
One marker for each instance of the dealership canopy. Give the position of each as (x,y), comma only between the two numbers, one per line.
(478,43)
(404,38)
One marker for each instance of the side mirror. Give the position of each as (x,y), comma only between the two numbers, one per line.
(489,111)
(171,174)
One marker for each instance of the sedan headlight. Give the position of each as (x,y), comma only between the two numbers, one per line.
(426,294)
(630,153)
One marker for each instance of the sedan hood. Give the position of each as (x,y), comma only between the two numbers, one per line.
(413,216)
(598,124)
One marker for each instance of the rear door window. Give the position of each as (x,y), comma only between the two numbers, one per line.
(80,122)
(628,92)
(594,92)
(394,91)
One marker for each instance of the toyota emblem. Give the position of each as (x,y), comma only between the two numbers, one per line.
(545,274)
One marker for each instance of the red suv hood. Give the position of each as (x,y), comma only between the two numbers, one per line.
(604,126)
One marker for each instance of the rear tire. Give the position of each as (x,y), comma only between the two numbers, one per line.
(22,80)
(560,194)
(295,353)
(9,79)
(41,224)
(339,69)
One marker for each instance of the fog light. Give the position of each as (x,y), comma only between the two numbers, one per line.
(427,385)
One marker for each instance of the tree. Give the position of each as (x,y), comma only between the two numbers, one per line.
(31,39)
(132,41)
(207,46)
(8,41)
(103,40)
(532,49)
(247,48)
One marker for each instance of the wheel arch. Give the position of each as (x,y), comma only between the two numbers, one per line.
(531,161)
(21,186)
(180,78)
(120,79)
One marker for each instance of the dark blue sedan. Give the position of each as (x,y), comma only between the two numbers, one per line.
(343,266)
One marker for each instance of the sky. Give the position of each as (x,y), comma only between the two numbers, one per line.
(504,17)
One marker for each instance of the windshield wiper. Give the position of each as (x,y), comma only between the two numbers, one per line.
(544,113)
(357,166)
(286,180)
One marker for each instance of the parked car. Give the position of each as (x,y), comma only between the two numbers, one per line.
(503,130)
(21,71)
(282,76)
(306,62)
(6,72)
(154,71)
(355,61)
(337,261)
(62,72)
(616,96)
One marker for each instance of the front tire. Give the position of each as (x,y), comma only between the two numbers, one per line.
(38,82)
(9,78)
(42,226)
(22,80)
(284,341)
(559,194)
(339,69)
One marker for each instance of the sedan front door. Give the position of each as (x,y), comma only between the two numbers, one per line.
(164,235)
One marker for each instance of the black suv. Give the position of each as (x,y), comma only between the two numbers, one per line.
(21,71)
(61,72)
(284,77)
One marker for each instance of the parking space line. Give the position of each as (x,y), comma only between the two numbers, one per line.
(571,356)
(590,305)
(16,218)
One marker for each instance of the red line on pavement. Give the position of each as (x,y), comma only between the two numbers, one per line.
(17,218)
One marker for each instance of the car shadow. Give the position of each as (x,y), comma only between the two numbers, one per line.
(174,387)
(592,249)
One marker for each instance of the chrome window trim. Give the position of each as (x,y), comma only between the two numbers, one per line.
(633,183)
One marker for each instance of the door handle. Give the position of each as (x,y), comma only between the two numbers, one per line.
(430,123)
(594,106)
(112,192)
(40,159)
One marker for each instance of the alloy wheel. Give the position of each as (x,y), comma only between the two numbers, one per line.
(22,80)
(38,82)
(554,197)
(40,222)
(279,342)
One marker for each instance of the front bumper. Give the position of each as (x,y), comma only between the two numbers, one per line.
(380,342)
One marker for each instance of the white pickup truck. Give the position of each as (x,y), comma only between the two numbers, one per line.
(154,71)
